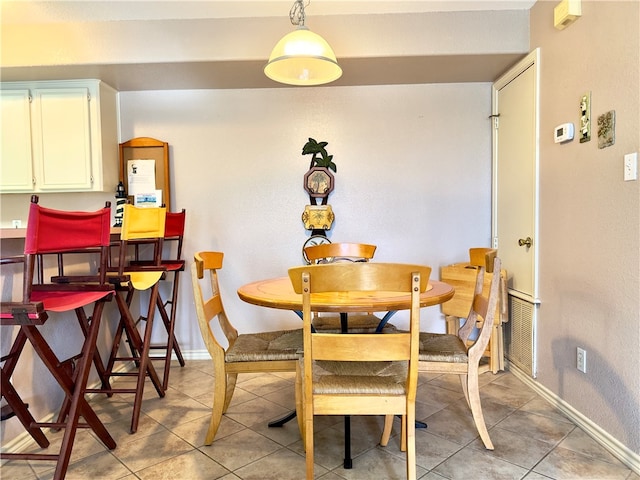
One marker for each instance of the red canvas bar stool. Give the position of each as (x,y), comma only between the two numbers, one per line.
(174,264)
(173,233)
(144,228)
(60,233)
(15,406)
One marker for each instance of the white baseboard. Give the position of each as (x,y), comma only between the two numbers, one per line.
(617,449)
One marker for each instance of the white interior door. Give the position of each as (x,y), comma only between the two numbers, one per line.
(515,175)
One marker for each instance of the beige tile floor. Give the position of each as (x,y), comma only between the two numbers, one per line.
(532,440)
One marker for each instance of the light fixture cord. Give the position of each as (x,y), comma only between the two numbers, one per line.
(296,14)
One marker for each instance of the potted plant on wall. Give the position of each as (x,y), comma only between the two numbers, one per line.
(319,180)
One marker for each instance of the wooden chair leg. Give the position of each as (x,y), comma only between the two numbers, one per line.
(403,433)
(308,438)
(386,431)
(411,443)
(453,324)
(218,407)
(300,403)
(231,379)
(493,346)
(476,409)
(465,389)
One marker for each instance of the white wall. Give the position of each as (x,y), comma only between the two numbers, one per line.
(413,176)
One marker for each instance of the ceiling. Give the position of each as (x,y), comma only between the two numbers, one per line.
(354,27)
(32,11)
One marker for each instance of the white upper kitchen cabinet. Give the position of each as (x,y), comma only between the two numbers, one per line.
(58,136)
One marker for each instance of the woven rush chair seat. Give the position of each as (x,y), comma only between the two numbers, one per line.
(264,346)
(374,378)
(435,347)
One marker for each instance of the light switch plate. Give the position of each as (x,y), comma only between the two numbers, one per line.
(631,166)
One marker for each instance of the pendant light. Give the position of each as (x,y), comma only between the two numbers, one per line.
(302,57)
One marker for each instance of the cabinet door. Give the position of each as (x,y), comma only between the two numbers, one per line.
(16,171)
(62,139)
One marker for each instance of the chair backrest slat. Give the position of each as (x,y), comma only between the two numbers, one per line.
(349,347)
(366,277)
(340,251)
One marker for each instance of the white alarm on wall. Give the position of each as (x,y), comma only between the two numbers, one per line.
(563,133)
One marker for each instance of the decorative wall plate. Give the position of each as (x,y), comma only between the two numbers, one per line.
(318,217)
(318,182)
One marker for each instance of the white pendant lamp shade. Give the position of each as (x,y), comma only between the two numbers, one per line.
(302,58)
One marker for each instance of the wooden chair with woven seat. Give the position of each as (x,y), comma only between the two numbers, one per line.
(462,276)
(275,351)
(451,354)
(358,374)
(345,252)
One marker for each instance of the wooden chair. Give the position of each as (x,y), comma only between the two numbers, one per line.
(58,234)
(145,226)
(462,276)
(276,351)
(451,354)
(345,252)
(358,374)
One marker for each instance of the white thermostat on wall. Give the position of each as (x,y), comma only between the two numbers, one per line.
(563,133)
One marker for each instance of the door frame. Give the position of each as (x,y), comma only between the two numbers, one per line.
(532,60)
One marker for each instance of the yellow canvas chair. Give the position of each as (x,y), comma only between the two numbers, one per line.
(142,228)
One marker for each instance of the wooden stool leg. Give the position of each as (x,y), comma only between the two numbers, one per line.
(75,390)
(145,367)
(18,407)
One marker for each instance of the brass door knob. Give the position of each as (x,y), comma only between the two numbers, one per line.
(525,242)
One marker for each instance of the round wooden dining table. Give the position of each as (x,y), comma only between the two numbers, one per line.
(279,293)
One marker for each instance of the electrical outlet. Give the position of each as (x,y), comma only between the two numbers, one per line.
(582,360)
(631,166)
(16,224)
